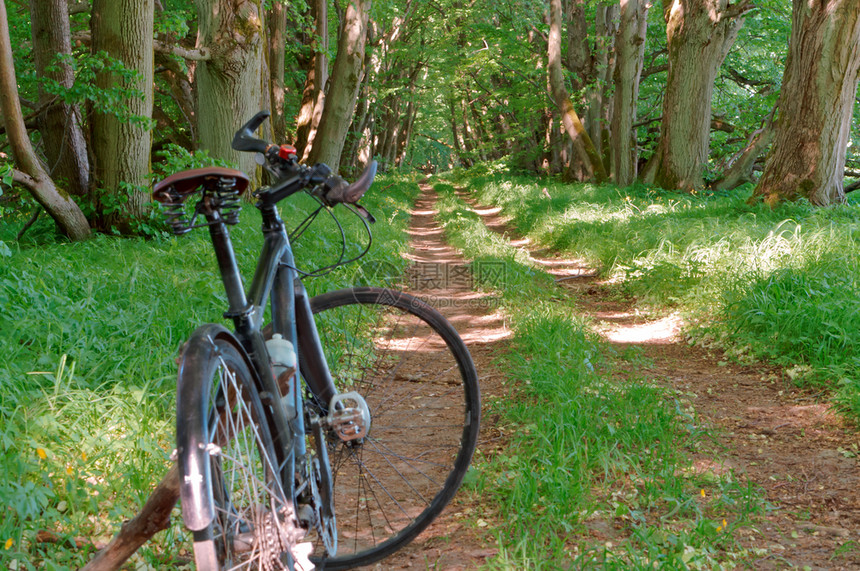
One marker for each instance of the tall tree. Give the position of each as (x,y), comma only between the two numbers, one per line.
(344,86)
(313,93)
(60,123)
(699,34)
(277,20)
(629,58)
(807,159)
(230,85)
(583,144)
(30,172)
(589,56)
(122,138)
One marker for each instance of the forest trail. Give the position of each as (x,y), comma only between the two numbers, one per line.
(781,440)
(439,275)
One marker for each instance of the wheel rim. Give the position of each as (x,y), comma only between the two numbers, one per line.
(419,390)
(251,528)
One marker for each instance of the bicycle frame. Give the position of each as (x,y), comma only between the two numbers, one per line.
(277,280)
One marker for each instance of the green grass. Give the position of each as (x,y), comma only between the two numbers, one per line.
(779,285)
(589,451)
(90,332)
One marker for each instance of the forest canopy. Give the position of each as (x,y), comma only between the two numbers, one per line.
(100,98)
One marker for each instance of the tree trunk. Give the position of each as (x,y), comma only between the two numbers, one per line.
(359,149)
(629,59)
(229,86)
(577,57)
(277,18)
(313,94)
(345,84)
(598,98)
(807,159)
(406,130)
(572,124)
(455,132)
(121,144)
(30,171)
(178,75)
(699,34)
(740,168)
(60,123)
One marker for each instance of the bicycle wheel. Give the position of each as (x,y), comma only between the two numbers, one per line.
(420,384)
(251,525)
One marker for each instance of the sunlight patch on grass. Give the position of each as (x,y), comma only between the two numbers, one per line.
(778,285)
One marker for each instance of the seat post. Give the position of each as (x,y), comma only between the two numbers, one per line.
(229,269)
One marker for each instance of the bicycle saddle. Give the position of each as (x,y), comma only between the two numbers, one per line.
(188,181)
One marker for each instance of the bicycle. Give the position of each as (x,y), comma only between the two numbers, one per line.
(333,435)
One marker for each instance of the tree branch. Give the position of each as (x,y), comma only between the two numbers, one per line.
(739,9)
(23,179)
(434,139)
(740,79)
(193,54)
(79,7)
(654,69)
(153,517)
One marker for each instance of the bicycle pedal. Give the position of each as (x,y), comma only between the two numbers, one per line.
(349,416)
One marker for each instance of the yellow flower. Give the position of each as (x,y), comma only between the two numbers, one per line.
(84,456)
(703,493)
(41,453)
(69,470)
(9,543)
(724,523)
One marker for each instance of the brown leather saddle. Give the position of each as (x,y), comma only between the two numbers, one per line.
(189,181)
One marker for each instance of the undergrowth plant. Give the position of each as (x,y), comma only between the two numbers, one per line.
(590,451)
(775,284)
(90,336)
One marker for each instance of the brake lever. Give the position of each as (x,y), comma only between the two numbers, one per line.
(364,213)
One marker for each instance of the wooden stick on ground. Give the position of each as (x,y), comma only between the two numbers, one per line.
(153,517)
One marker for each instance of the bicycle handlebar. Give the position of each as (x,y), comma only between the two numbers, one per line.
(244,139)
(293,177)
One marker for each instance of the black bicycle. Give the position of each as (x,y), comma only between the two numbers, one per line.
(335,434)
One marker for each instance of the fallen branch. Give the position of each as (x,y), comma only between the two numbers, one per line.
(153,517)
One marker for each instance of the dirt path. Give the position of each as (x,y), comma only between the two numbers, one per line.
(441,277)
(782,440)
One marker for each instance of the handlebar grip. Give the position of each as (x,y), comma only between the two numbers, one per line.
(350,194)
(244,139)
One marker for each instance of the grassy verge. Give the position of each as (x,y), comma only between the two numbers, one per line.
(87,384)
(598,471)
(779,285)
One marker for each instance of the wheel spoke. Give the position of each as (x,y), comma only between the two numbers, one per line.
(419,383)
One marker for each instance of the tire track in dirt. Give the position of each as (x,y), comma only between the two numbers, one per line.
(784,441)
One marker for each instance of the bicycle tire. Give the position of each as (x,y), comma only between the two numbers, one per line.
(215,381)
(420,383)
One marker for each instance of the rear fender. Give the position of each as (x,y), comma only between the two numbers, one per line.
(192,410)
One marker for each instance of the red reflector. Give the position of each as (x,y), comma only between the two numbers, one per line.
(287,152)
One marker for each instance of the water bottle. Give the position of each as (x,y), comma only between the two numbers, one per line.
(283,357)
